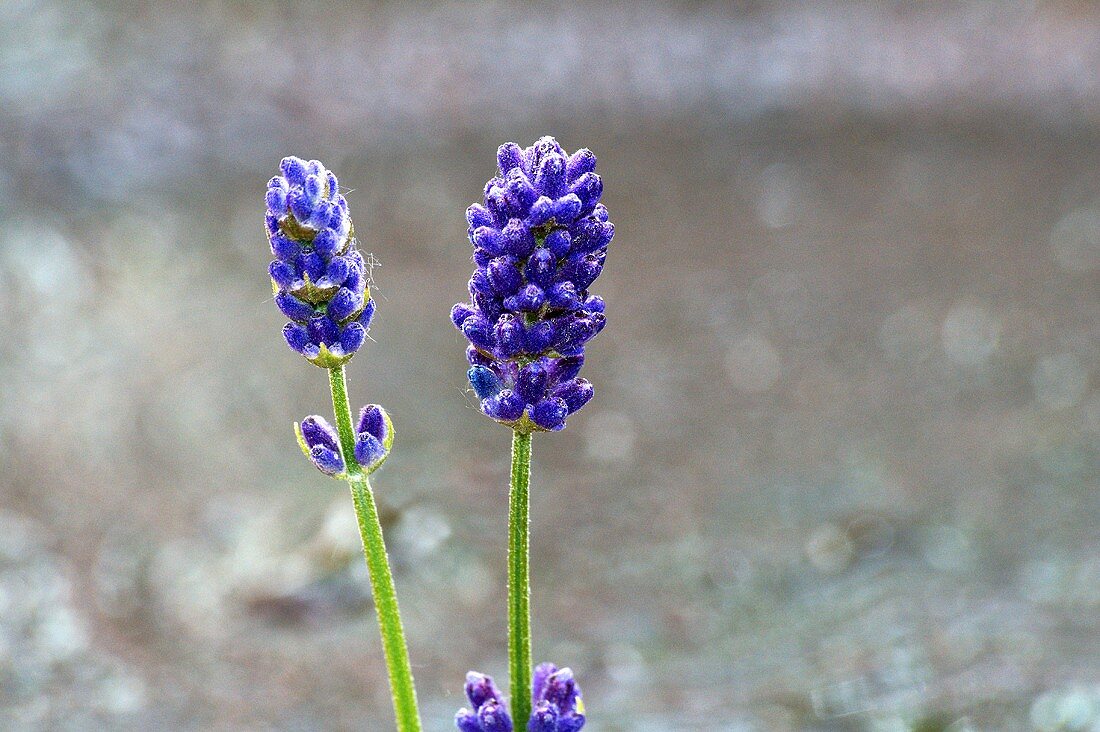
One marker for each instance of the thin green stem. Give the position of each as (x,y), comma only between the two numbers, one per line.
(519,579)
(396,651)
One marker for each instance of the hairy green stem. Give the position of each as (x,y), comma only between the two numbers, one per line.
(381,578)
(519,579)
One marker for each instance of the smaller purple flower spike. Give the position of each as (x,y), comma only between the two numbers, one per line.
(319,442)
(558,706)
(487,711)
(318,276)
(540,240)
(374,437)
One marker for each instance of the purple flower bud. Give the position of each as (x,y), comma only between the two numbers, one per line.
(544,718)
(559,242)
(466,721)
(294,170)
(271,223)
(352,337)
(311,265)
(550,414)
(504,276)
(575,393)
(312,188)
(459,313)
(529,299)
(293,308)
(509,156)
(567,209)
(543,147)
(284,248)
(575,332)
(276,201)
(478,216)
(542,210)
(509,336)
(517,238)
(550,179)
(479,284)
(317,431)
(372,420)
(478,331)
(594,304)
(297,337)
(328,461)
(596,235)
(497,203)
(538,337)
(493,718)
(481,689)
(368,450)
(507,406)
(561,690)
(481,258)
(563,296)
(540,269)
(531,382)
(326,243)
(582,270)
(282,274)
(556,690)
(588,188)
(344,304)
(476,358)
(367,315)
(323,329)
(566,368)
(337,272)
(301,208)
(580,162)
(489,239)
(484,382)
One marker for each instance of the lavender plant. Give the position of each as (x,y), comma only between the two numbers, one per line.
(540,240)
(320,284)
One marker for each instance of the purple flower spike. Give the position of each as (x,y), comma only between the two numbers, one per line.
(487,712)
(540,240)
(558,706)
(318,271)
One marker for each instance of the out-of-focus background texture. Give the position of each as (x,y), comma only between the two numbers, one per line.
(841,469)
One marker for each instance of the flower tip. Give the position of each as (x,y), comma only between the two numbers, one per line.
(373,420)
(509,157)
(293,169)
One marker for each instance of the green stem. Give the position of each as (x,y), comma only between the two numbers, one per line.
(519,579)
(381,578)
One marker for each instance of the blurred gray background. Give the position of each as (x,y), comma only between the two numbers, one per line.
(841,468)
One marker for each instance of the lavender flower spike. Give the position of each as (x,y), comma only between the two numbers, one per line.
(540,240)
(558,706)
(318,276)
(487,712)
